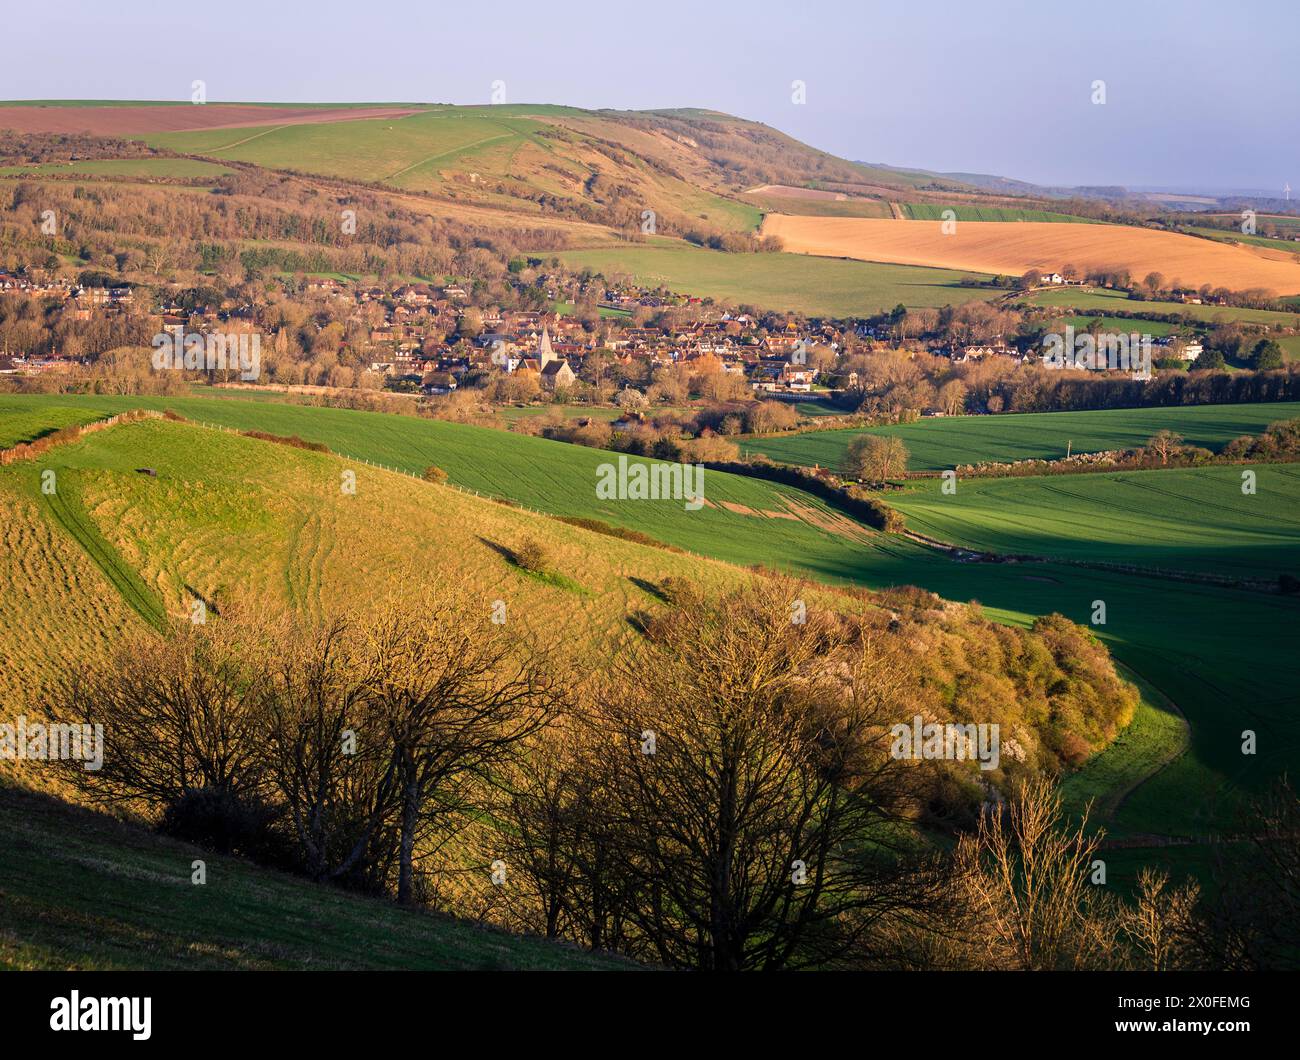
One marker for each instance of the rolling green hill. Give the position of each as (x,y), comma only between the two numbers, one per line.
(796,282)
(689,166)
(945,442)
(224,516)
(1165,631)
(934,211)
(745,521)
(1193,519)
(1089,299)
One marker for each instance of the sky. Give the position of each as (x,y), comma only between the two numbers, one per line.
(1197,94)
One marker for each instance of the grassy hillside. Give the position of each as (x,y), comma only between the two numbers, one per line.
(1194,519)
(84,891)
(228,516)
(815,286)
(936,444)
(745,521)
(1103,300)
(934,211)
(1163,630)
(688,166)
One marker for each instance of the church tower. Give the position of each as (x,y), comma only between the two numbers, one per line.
(545,354)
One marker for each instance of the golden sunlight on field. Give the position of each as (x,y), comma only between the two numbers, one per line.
(1013,247)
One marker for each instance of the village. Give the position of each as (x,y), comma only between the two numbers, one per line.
(431,339)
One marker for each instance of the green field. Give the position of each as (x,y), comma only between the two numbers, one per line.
(1156,736)
(1290,346)
(367,149)
(122,167)
(565,309)
(1223,656)
(1194,519)
(933,211)
(1089,299)
(21,421)
(84,891)
(1119,325)
(538,473)
(1219,235)
(819,207)
(945,442)
(794,282)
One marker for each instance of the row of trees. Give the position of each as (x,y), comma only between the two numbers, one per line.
(336,751)
(724,797)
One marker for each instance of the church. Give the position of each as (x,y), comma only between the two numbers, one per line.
(552,369)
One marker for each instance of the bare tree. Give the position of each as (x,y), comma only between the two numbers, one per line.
(455,696)
(1164,444)
(1026,883)
(1254,923)
(338,786)
(179,714)
(750,787)
(1161,922)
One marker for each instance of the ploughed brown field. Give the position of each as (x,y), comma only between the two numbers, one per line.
(126,121)
(1013,247)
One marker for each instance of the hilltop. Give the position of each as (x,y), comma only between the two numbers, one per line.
(691,167)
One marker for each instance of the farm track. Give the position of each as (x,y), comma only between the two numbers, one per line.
(66,508)
(247,139)
(448,153)
(1117,801)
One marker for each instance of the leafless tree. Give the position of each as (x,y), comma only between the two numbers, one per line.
(750,788)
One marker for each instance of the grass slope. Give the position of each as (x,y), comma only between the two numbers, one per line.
(1156,736)
(815,286)
(1194,519)
(548,476)
(1088,299)
(1223,656)
(500,155)
(934,211)
(82,891)
(940,443)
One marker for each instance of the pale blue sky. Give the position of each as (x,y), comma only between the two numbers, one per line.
(1198,93)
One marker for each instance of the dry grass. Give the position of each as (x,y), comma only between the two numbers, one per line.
(1011,248)
(231,517)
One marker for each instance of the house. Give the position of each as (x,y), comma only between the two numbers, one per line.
(765,377)
(439,383)
(798,377)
